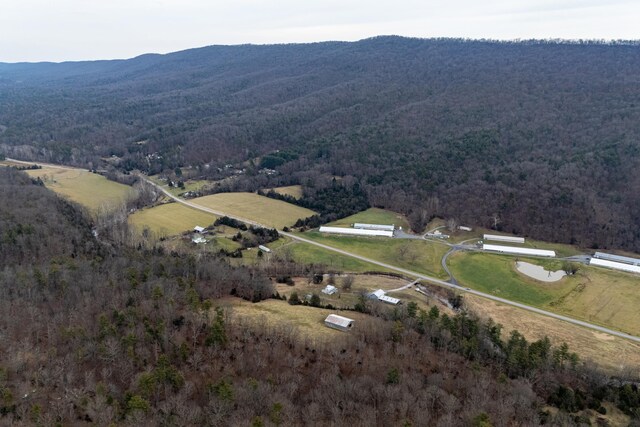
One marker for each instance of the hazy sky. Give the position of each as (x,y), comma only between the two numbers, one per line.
(57,30)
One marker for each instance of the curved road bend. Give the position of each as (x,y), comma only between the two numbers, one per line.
(409,272)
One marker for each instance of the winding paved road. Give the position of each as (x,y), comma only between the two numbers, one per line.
(410,273)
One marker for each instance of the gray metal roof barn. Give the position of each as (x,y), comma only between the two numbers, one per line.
(382,227)
(338,322)
(499,238)
(617,258)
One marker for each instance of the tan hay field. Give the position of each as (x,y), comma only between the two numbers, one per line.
(291,190)
(81,186)
(170,219)
(263,210)
(611,353)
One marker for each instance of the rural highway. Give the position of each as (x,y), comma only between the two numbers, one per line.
(410,273)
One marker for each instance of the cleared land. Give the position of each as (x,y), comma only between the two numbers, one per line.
(361,283)
(305,253)
(417,255)
(88,189)
(373,216)
(291,190)
(170,219)
(189,185)
(266,211)
(598,296)
(306,321)
(611,353)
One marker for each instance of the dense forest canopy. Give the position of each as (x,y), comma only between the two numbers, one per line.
(537,138)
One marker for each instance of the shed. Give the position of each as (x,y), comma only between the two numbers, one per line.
(264,249)
(198,229)
(330,290)
(338,322)
(198,239)
(465,228)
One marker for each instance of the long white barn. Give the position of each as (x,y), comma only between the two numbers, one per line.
(615,265)
(518,251)
(507,239)
(374,226)
(617,258)
(356,231)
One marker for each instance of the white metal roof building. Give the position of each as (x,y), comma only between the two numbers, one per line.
(615,265)
(389,300)
(329,290)
(507,239)
(338,322)
(355,231)
(198,229)
(518,251)
(465,228)
(264,248)
(381,296)
(374,226)
(617,258)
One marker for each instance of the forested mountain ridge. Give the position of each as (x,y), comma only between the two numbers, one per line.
(539,138)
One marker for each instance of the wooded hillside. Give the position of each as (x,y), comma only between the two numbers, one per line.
(539,138)
(97,332)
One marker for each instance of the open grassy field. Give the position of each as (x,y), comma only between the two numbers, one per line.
(266,211)
(607,351)
(373,216)
(291,190)
(308,322)
(305,253)
(417,255)
(598,296)
(81,186)
(170,219)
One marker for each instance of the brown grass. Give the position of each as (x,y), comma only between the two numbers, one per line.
(609,352)
(270,212)
(306,321)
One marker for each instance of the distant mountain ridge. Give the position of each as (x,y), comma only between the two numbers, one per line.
(542,136)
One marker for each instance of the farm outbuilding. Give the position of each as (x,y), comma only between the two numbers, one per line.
(615,265)
(506,239)
(329,290)
(198,229)
(617,258)
(198,239)
(264,249)
(518,251)
(465,228)
(382,227)
(356,231)
(338,322)
(381,296)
